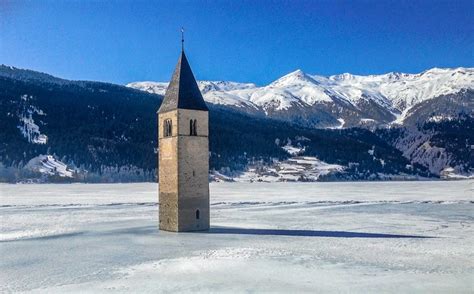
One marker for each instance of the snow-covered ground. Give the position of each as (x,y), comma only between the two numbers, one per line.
(275,237)
(48,165)
(297,168)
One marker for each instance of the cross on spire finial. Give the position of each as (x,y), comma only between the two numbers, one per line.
(182,39)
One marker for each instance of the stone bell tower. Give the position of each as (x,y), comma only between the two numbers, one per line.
(183,131)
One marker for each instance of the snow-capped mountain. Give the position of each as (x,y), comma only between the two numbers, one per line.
(204,86)
(216,92)
(151,87)
(344,100)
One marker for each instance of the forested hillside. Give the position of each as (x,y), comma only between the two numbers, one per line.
(104,132)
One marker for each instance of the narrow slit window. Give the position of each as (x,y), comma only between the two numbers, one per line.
(167,128)
(192,127)
(197,214)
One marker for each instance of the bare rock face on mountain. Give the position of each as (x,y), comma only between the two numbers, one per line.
(442,108)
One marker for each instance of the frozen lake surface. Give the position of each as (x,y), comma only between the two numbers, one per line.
(278,237)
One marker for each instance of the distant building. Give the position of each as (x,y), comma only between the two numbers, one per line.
(183,130)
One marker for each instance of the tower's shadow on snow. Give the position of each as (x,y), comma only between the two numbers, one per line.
(306,233)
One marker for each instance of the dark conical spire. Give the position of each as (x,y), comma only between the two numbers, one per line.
(183,91)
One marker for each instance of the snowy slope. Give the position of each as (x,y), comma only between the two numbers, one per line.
(48,165)
(399,91)
(294,88)
(151,87)
(27,125)
(394,94)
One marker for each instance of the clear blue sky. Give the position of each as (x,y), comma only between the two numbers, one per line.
(248,41)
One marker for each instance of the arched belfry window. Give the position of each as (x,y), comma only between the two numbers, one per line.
(193,127)
(167,128)
(197,214)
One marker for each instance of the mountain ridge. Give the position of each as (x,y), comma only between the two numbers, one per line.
(379,99)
